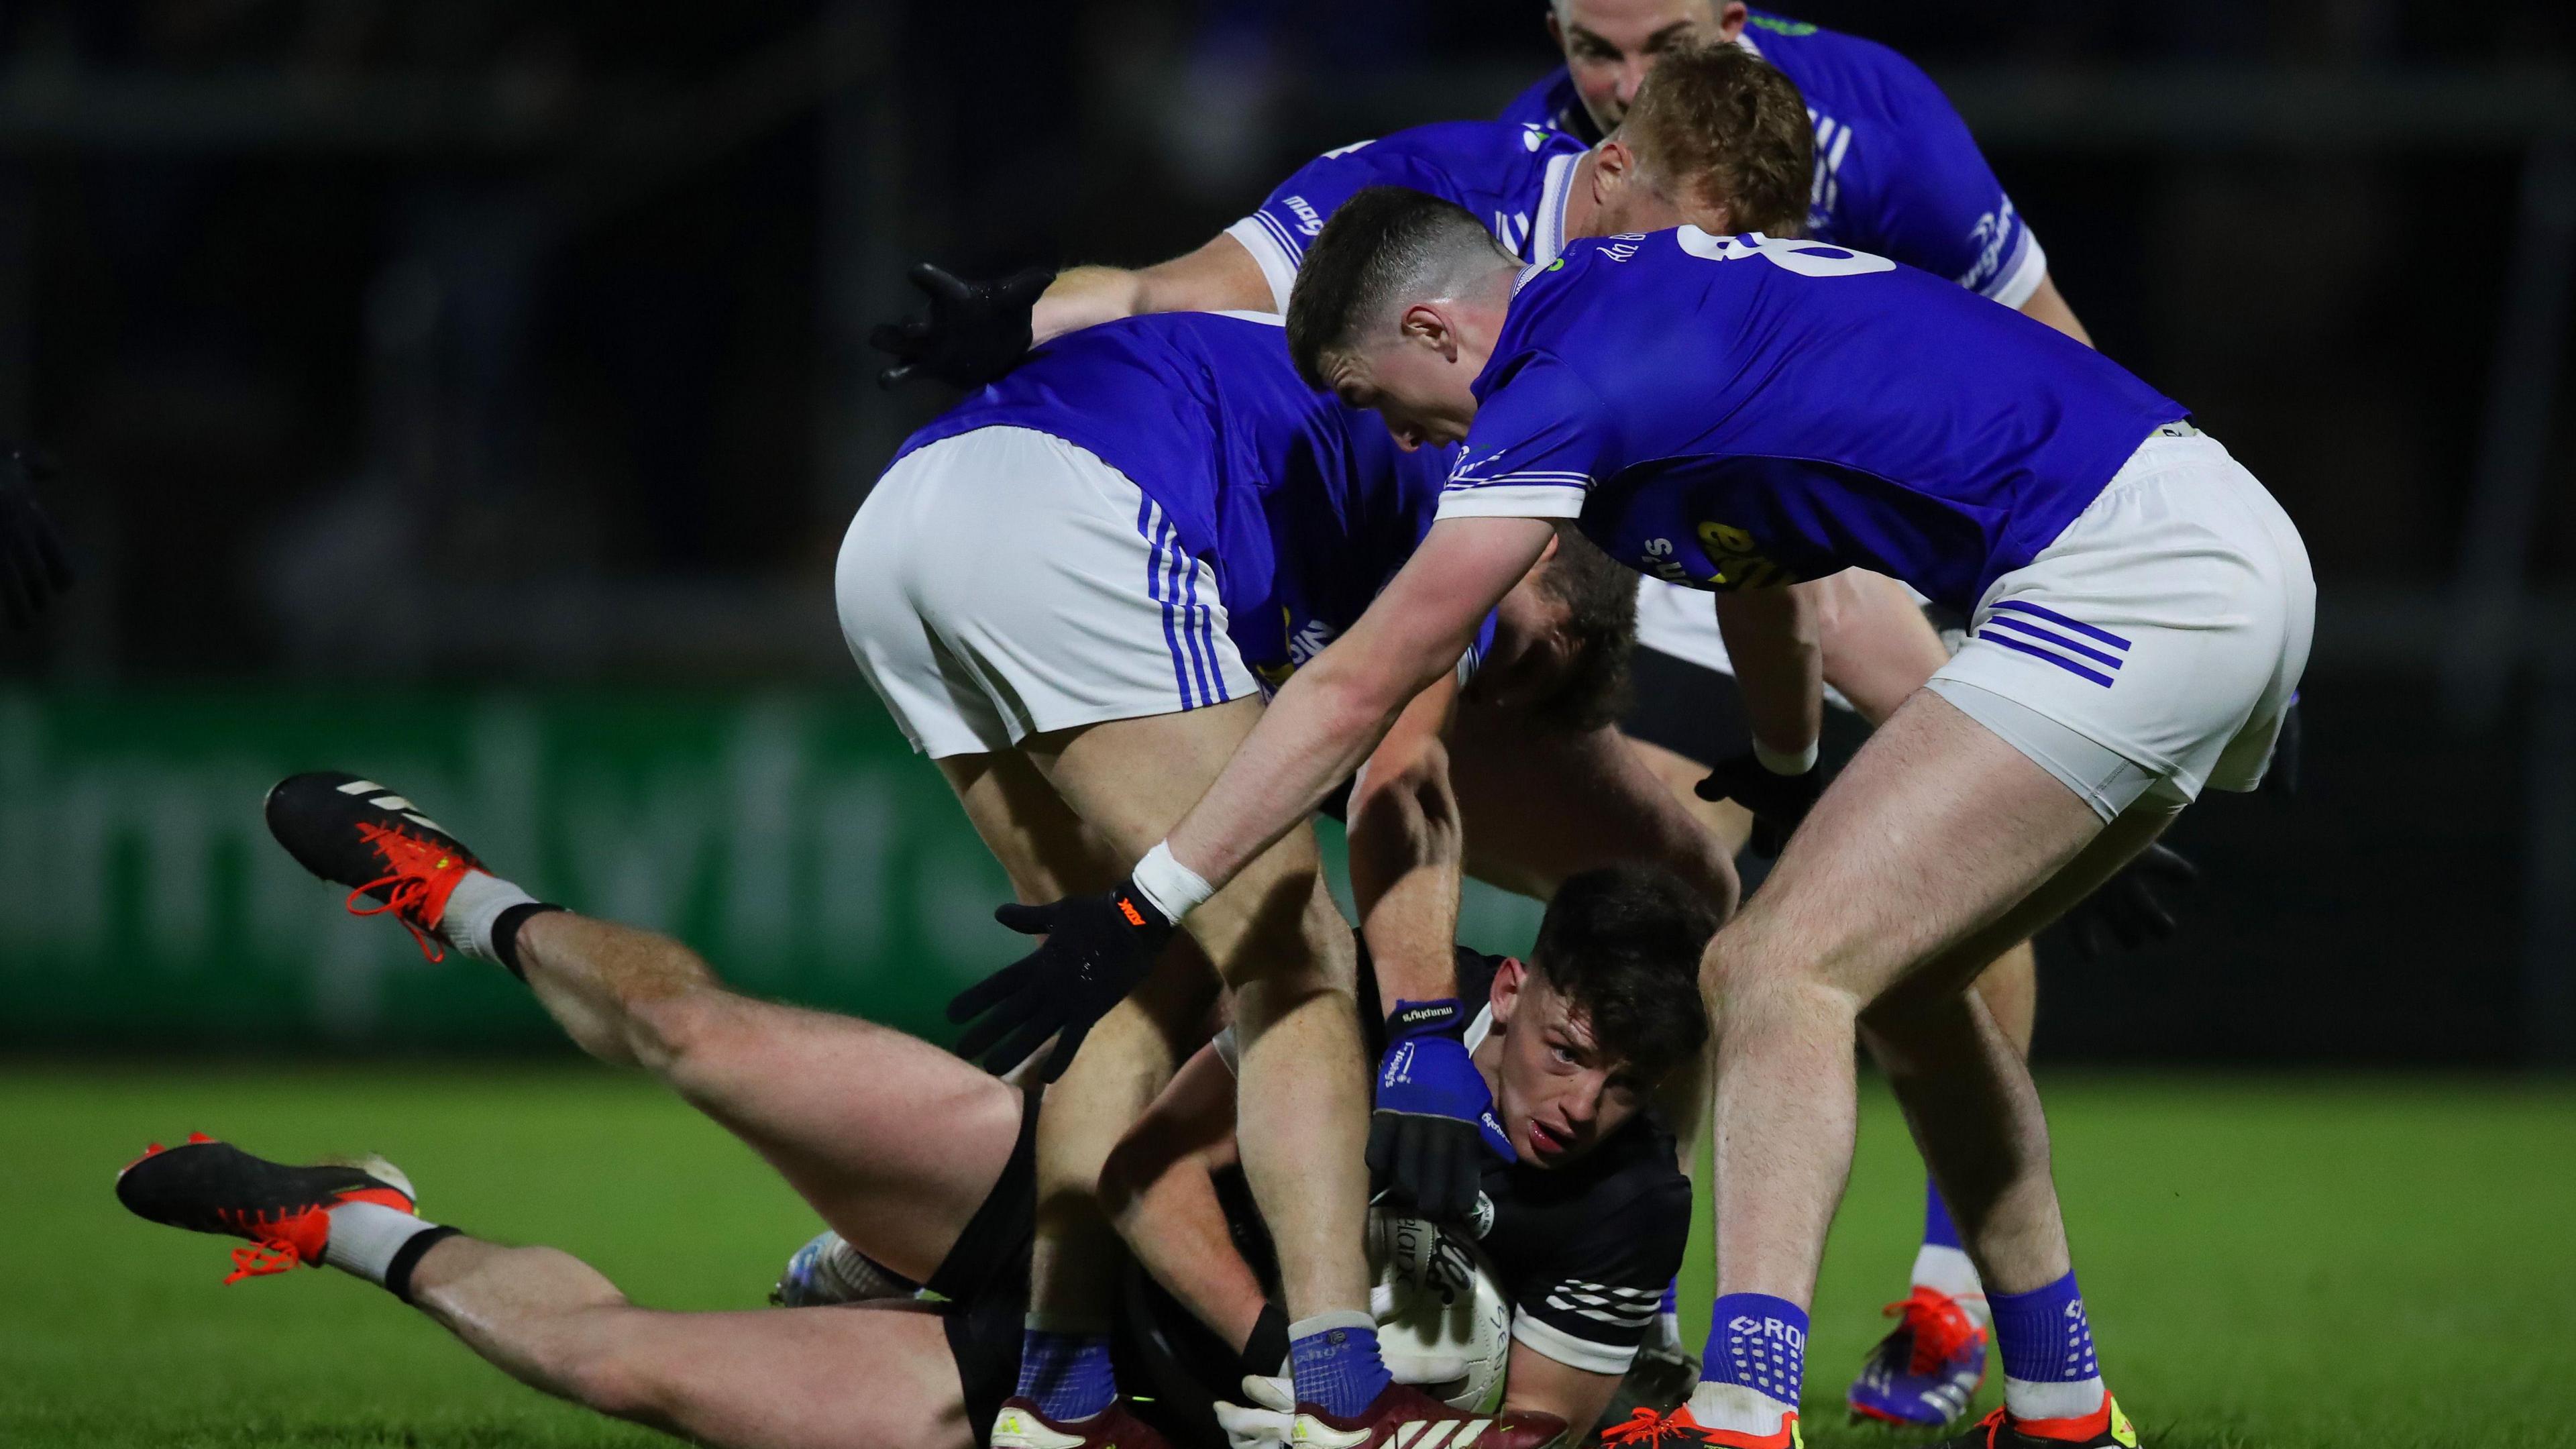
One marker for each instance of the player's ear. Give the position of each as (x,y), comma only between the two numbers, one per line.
(1505,993)
(1731,15)
(1612,163)
(1427,326)
(1555,29)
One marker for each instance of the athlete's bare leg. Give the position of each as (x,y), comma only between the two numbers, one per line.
(1284,950)
(1049,853)
(793,1378)
(893,1141)
(1939,842)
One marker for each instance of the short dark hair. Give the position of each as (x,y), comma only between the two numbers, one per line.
(1382,243)
(1622,944)
(1732,129)
(1600,598)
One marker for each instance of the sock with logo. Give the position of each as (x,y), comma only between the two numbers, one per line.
(1334,1359)
(380,1244)
(483,917)
(2050,1371)
(1064,1367)
(1754,1365)
(1941,1263)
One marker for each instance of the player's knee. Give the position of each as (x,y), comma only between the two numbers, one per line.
(1748,983)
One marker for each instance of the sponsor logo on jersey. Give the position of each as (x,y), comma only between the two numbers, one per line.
(1739,559)
(1778,26)
(1992,231)
(1309,221)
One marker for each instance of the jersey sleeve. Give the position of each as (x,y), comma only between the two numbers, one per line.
(1277,235)
(1591,1306)
(1940,207)
(1536,448)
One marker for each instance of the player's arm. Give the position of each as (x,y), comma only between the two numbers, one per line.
(1333,712)
(1219,277)
(1159,1190)
(1876,645)
(1774,635)
(1551,802)
(2049,306)
(1406,851)
(1432,1120)
(1775,638)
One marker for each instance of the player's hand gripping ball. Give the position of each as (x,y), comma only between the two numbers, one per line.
(1434,1117)
(1096,949)
(1778,802)
(976,331)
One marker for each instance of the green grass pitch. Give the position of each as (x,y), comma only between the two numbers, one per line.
(2272,1263)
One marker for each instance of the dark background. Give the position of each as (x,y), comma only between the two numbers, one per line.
(469,343)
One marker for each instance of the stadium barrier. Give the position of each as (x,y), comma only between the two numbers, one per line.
(794,839)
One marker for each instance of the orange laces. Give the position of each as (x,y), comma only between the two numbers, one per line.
(1940,1328)
(409,896)
(257,1260)
(1644,1426)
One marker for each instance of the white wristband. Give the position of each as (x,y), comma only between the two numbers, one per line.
(1782,763)
(1174,888)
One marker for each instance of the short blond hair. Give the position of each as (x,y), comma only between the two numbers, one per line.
(1726,128)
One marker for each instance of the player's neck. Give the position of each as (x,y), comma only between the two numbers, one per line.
(1488,1057)
(1582,207)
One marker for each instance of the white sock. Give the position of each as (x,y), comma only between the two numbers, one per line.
(365,1236)
(1736,1407)
(2028,1400)
(1949,1271)
(477,902)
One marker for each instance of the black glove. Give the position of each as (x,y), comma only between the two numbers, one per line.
(2283,777)
(976,331)
(2129,909)
(1434,1117)
(34,566)
(1778,802)
(1096,949)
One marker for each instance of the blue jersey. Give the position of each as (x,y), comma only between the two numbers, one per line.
(1729,412)
(1303,507)
(1896,171)
(1514,178)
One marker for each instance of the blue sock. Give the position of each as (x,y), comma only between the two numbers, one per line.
(1938,1230)
(1672,1297)
(1334,1360)
(1757,1341)
(1067,1375)
(2050,1370)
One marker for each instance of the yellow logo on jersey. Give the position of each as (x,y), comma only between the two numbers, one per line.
(1739,560)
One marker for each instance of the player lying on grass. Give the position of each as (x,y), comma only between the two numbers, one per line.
(927,1165)
(1712,135)
(1742,413)
(1581,1228)
(1071,591)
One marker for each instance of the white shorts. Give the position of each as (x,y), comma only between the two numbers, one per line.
(1005,582)
(2157,643)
